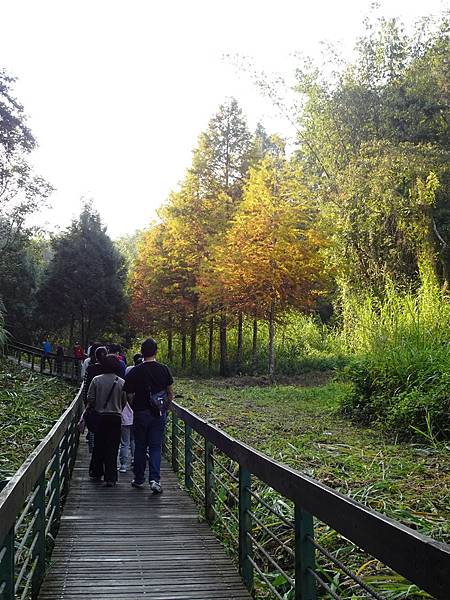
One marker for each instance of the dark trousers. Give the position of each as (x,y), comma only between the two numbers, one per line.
(148,433)
(106,447)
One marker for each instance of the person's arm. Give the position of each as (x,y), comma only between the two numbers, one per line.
(124,400)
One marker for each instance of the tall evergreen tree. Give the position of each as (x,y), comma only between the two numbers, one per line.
(84,285)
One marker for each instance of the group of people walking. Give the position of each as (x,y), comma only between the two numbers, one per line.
(126,410)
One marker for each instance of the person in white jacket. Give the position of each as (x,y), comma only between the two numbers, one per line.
(126,450)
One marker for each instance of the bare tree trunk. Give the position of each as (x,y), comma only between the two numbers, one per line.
(254,345)
(82,327)
(72,321)
(239,344)
(169,345)
(183,350)
(271,365)
(210,344)
(223,369)
(193,349)
(88,332)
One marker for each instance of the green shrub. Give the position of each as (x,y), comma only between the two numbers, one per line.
(400,373)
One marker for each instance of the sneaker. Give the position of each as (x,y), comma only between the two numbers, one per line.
(155,486)
(135,484)
(122,470)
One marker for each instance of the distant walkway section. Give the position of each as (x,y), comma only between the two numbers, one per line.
(123,544)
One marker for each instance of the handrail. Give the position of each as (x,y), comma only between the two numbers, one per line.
(30,507)
(416,557)
(68,367)
(35,350)
(14,494)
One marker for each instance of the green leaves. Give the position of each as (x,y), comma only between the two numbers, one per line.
(85,279)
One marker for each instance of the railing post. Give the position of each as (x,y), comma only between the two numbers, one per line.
(64,470)
(74,433)
(32,362)
(188,456)
(7,567)
(57,488)
(19,357)
(39,532)
(209,482)
(174,442)
(7,561)
(245,527)
(305,588)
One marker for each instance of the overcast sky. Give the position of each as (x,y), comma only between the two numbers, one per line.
(118,91)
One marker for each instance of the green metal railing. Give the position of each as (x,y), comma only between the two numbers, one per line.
(68,367)
(292,536)
(30,508)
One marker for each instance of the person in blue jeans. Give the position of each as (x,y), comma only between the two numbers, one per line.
(146,382)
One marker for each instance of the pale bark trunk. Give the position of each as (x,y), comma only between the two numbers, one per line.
(193,348)
(223,371)
(169,346)
(254,345)
(183,350)
(271,365)
(210,344)
(239,344)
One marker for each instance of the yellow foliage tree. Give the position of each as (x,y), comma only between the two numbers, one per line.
(269,260)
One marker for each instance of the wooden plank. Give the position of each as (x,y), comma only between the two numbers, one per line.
(124,543)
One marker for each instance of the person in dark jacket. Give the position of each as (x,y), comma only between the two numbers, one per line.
(146,382)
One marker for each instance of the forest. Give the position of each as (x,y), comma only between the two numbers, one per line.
(269,260)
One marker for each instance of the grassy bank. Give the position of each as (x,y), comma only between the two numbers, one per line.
(302,427)
(29,405)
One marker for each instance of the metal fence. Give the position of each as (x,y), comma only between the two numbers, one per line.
(30,507)
(66,367)
(293,537)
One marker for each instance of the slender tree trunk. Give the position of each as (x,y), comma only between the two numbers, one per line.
(210,345)
(239,344)
(183,350)
(88,332)
(193,355)
(82,327)
(169,345)
(254,345)
(72,320)
(223,370)
(169,339)
(271,365)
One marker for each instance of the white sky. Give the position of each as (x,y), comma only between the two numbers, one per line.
(118,91)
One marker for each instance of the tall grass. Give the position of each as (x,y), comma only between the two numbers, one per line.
(401,369)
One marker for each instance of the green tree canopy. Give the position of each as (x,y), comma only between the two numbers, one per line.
(84,285)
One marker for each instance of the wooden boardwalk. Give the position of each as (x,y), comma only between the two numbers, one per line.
(122,543)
